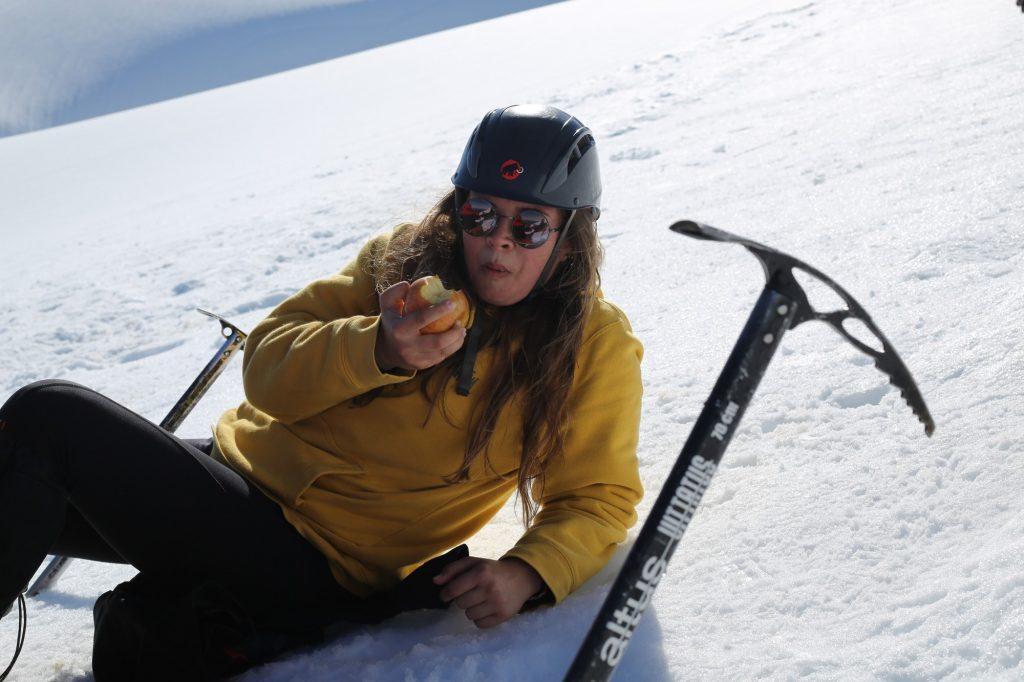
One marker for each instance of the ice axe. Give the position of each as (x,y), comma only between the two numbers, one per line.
(234,340)
(782,305)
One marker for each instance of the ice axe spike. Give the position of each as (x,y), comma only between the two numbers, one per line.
(783,304)
(778,270)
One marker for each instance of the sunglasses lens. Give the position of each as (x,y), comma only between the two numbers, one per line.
(478,217)
(530,229)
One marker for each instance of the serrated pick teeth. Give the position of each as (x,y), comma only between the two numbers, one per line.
(922,415)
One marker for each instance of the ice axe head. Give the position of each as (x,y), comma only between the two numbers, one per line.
(778,270)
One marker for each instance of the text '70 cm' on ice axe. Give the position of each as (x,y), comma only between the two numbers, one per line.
(783,304)
(234,340)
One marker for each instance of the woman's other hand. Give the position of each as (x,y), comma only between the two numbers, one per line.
(399,341)
(489,591)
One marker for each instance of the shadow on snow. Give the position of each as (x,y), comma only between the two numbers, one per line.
(261,47)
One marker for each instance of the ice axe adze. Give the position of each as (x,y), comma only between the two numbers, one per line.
(783,304)
(234,340)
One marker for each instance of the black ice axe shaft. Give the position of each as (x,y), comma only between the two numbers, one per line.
(782,305)
(234,340)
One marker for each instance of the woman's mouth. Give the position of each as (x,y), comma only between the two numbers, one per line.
(496,269)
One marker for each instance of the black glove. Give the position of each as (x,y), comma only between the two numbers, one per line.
(417,591)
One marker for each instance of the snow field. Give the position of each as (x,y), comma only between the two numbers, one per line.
(876,141)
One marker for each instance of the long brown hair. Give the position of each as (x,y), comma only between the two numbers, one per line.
(536,342)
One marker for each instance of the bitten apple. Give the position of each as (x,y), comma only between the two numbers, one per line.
(428,291)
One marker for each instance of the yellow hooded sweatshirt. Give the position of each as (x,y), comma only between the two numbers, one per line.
(365,483)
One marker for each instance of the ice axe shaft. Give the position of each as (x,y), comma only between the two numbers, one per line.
(234,339)
(781,306)
(632,591)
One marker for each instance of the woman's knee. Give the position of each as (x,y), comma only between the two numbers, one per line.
(37,399)
(29,420)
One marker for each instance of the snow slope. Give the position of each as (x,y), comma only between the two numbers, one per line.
(62,62)
(879,141)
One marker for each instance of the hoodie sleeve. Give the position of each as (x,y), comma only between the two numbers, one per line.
(589,499)
(316,349)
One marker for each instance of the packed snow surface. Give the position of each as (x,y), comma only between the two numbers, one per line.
(879,141)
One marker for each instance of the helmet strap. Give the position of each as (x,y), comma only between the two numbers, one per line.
(545,274)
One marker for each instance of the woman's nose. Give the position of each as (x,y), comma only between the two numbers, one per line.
(502,234)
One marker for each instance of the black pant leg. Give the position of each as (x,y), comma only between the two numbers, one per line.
(79,540)
(158,502)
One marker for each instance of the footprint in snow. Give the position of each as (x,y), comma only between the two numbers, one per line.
(269,301)
(61,334)
(151,351)
(872,396)
(186,287)
(923,599)
(921,275)
(621,131)
(635,154)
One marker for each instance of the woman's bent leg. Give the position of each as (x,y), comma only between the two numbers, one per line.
(78,539)
(158,502)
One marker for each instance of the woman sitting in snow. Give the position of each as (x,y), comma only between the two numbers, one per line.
(364,446)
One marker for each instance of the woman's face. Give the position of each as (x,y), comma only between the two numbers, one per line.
(502,272)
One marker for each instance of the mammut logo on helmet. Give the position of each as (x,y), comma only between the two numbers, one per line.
(511,169)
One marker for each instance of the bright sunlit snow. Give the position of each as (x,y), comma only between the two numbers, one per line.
(879,141)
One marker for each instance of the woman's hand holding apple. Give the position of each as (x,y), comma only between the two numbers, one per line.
(415,331)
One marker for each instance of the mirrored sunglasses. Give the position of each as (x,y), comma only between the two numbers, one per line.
(530,228)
